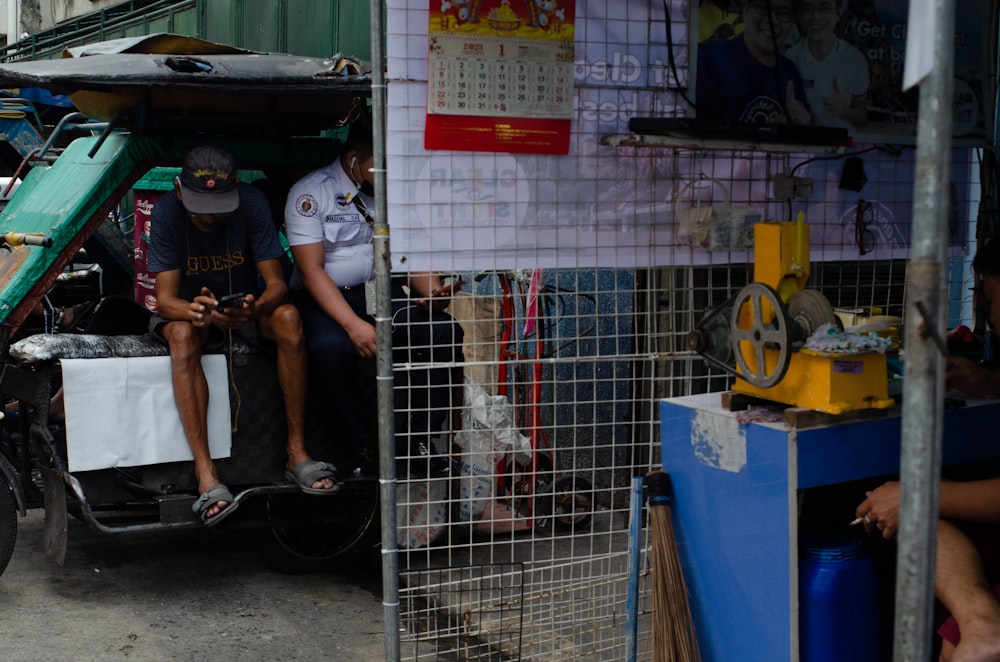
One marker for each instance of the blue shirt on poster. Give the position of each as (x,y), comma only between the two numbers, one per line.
(734,86)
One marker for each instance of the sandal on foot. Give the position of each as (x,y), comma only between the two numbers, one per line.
(70,319)
(306,473)
(209,498)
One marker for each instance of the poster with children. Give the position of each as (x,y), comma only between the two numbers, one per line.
(835,63)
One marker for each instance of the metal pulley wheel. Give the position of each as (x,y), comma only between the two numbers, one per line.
(760,333)
(809,310)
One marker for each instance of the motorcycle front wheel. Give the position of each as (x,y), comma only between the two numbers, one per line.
(322,533)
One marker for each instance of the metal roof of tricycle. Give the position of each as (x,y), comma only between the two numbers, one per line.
(170,93)
(175,84)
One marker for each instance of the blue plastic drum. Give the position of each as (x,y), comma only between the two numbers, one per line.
(838,602)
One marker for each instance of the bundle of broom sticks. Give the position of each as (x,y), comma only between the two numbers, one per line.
(674,638)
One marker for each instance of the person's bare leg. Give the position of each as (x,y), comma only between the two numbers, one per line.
(191,397)
(284,326)
(962,587)
(57,405)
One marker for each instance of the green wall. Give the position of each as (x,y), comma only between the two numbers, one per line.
(317,28)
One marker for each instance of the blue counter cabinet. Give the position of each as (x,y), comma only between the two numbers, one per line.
(735,508)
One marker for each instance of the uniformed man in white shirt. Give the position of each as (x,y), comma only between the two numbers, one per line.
(329,225)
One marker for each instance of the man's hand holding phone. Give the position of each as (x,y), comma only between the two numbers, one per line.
(234,310)
(230,301)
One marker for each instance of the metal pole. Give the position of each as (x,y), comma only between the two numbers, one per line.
(923,388)
(634,551)
(383,329)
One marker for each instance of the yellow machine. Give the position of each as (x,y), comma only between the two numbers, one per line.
(763,328)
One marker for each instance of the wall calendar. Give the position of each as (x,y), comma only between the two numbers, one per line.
(500,76)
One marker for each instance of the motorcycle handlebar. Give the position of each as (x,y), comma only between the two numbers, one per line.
(27,239)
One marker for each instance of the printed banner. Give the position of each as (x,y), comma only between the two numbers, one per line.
(145,282)
(605,205)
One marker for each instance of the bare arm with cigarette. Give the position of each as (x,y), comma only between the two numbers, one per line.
(973,630)
(969,501)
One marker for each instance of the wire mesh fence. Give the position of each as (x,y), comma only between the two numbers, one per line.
(567,351)
(561,373)
(464,612)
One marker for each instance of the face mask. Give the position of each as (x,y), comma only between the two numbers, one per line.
(365,187)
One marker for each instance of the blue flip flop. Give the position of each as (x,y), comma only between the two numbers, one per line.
(306,473)
(209,498)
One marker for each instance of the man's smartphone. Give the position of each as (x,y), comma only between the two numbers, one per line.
(231,301)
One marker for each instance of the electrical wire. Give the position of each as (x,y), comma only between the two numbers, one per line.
(834,157)
(777,61)
(682,90)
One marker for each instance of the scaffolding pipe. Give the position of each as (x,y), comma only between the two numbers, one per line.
(383,360)
(923,388)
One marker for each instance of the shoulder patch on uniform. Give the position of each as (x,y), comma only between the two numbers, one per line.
(306,205)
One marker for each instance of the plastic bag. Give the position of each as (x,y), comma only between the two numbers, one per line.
(488,434)
(422,512)
(706,218)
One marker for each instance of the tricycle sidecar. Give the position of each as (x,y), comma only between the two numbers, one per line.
(144,111)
